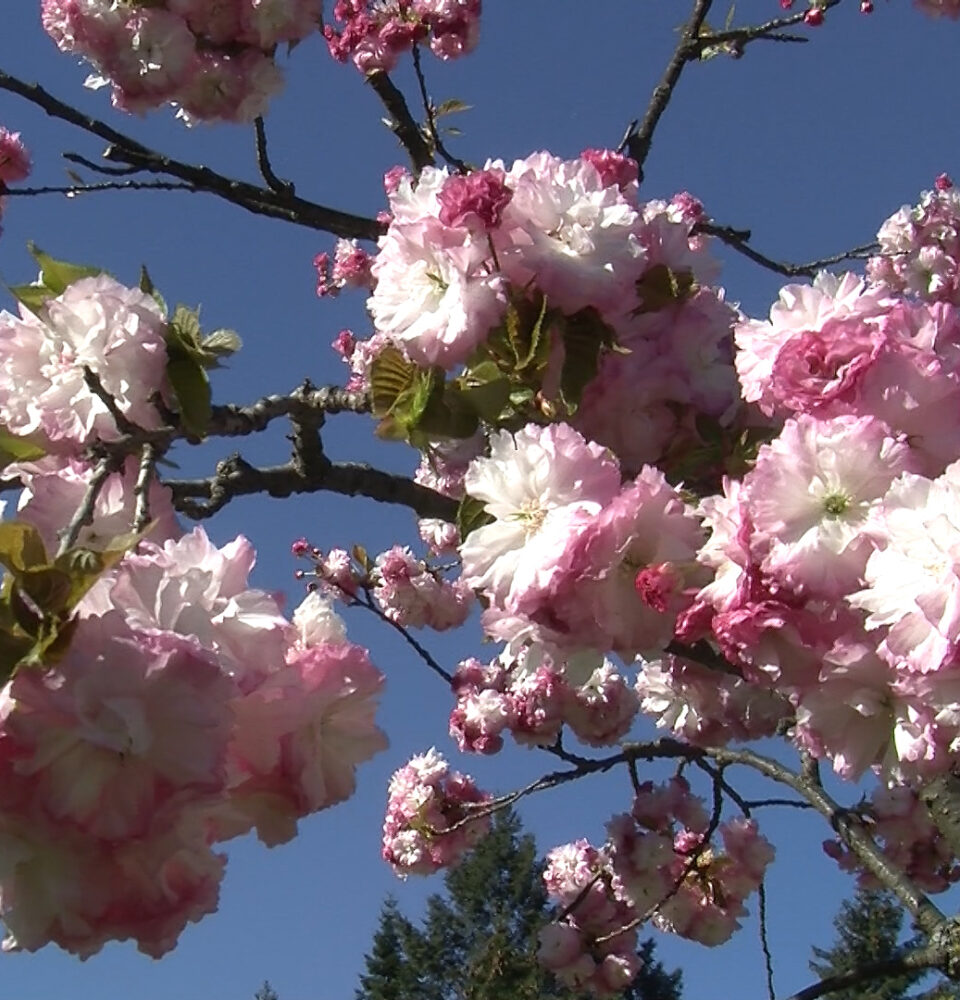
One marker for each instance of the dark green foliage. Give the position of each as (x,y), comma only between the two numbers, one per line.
(479,940)
(868,930)
(266,992)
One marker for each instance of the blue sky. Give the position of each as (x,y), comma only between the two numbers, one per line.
(810,147)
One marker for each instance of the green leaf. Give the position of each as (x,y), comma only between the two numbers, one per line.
(32,296)
(83,566)
(191,386)
(221,343)
(48,587)
(450,107)
(148,288)
(409,407)
(183,330)
(585,337)
(446,416)
(471,514)
(391,374)
(57,275)
(660,287)
(21,547)
(361,558)
(487,399)
(13,648)
(17,448)
(518,343)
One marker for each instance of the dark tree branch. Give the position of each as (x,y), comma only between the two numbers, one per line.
(201,498)
(236,421)
(737,38)
(849,829)
(263,161)
(84,514)
(100,168)
(75,189)
(370,604)
(637,141)
(738,239)
(261,201)
(929,957)
(431,113)
(765,940)
(141,489)
(401,121)
(93,383)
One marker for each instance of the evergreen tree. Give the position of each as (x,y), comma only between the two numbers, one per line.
(390,975)
(479,941)
(869,930)
(266,992)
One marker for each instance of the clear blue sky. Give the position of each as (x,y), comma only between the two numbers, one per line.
(808,146)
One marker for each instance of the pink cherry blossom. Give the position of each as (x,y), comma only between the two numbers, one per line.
(14,158)
(119,726)
(191,588)
(541,485)
(428,824)
(97,323)
(300,735)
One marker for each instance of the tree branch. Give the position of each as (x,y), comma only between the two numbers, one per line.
(84,514)
(263,161)
(261,201)
(235,477)
(638,140)
(430,112)
(929,957)
(738,239)
(401,122)
(73,190)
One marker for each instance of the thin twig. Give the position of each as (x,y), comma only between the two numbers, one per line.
(100,168)
(431,112)
(769,30)
(761,803)
(263,161)
(141,489)
(738,240)
(93,383)
(84,513)
(764,940)
(127,151)
(421,650)
(77,189)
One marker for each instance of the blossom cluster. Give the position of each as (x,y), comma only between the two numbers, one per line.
(658,862)
(407,591)
(95,326)
(534,696)
(429,825)
(902,826)
(920,246)
(374,34)
(810,590)
(213,61)
(572,558)
(178,707)
(187,711)
(571,239)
